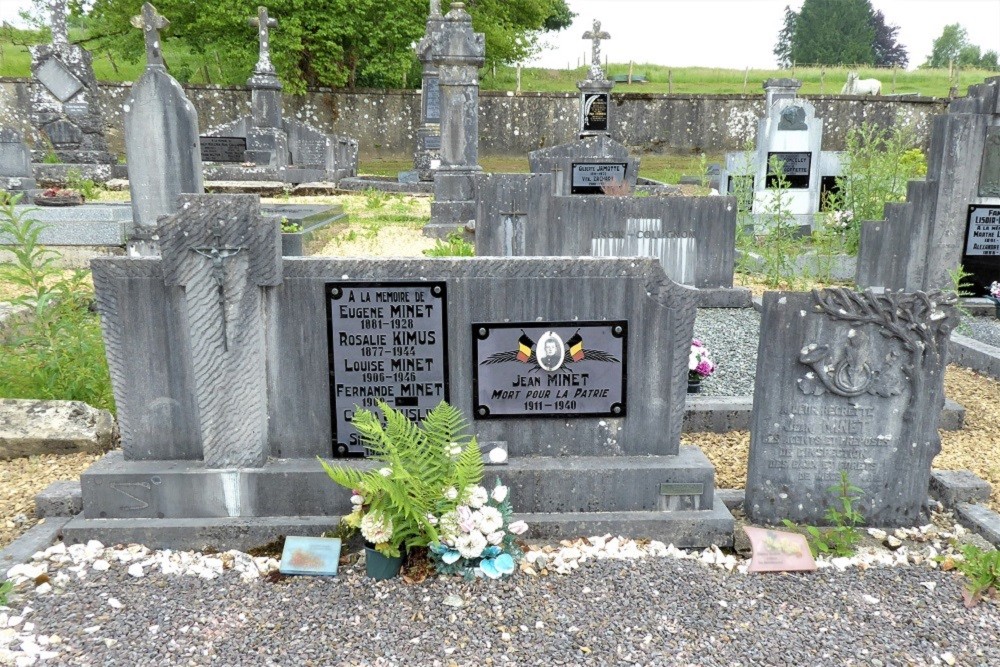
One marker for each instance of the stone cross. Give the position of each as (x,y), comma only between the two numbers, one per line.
(435,7)
(59,33)
(263,22)
(151,23)
(218,255)
(596,35)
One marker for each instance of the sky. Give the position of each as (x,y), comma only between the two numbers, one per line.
(725,33)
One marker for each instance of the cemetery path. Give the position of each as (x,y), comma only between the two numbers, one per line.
(657,611)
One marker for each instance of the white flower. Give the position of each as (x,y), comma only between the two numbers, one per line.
(475,496)
(454,449)
(451,493)
(499,494)
(471,545)
(431,519)
(376,528)
(495,538)
(518,527)
(692,361)
(449,527)
(357,500)
(498,455)
(489,520)
(385,472)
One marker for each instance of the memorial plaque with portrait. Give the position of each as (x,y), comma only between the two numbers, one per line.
(595,112)
(559,369)
(387,342)
(981,258)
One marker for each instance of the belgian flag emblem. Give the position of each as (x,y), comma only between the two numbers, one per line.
(524,345)
(575,345)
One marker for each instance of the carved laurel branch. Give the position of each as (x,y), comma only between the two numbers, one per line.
(920,321)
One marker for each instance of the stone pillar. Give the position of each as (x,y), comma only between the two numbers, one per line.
(223,253)
(427,157)
(779,89)
(15,165)
(458,53)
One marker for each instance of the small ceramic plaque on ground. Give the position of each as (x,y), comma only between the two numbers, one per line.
(310,555)
(778,551)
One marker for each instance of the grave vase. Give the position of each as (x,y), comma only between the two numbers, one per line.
(379,566)
(694,385)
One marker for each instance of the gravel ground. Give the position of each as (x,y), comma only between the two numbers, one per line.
(656,611)
(731,337)
(984,329)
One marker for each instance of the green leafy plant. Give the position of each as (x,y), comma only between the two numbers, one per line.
(960,288)
(982,573)
(841,537)
(782,244)
(5,589)
(455,246)
(57,352)
(375,199)
(416,464)
(289,227)
(84,186)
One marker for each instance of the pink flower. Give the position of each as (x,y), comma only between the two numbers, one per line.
(465,519)
(697,342)
(705,368)
(518,527)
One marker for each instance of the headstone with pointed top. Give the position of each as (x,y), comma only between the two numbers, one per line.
(161,140)
(65,107)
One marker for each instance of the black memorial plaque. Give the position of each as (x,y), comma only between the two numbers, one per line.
(595,112)
(981,255)
(223,149)
(388,342)
(795,166)
(589,178)
(432,100)
(432,142)
(555,370)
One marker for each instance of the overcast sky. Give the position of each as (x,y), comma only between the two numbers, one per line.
(726,33)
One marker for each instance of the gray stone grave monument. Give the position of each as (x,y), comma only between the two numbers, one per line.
(693,237)
(15,165)
(595,90)
(951,217)
(457,52)
(161,140)
(790,132)
(252,366)
(851,382)
(65,108)
(427,156)
(265,146)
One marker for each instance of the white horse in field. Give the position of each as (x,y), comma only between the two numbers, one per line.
(856,86)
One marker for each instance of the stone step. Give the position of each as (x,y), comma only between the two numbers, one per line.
(722,414)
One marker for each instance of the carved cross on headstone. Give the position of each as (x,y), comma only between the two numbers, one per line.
(59,32)
(263,23)
(218,255)
(151,23)
(596,35)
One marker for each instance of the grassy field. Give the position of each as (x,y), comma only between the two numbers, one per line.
(16,61)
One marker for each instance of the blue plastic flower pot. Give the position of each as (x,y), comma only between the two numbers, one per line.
(379,566)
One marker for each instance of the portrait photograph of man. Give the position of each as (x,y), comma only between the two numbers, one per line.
(551,351)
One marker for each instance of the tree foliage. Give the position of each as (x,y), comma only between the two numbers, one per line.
(838,32)
(336,43)
(953,47)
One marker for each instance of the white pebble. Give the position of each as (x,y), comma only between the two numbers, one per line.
(135,570)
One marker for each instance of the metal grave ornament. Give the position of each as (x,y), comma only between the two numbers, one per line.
(387,342)
(218,255)
(559,369)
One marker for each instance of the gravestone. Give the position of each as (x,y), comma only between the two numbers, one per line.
(161,140)
(15,164)
(847,382)
(252,366)
(427,156)
(457,52)
(65,103)
(274,148)
(790,133)
(595,90)
(693,237)
(950,217)
(586,166)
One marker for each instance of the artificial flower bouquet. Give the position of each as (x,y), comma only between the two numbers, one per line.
(477,535)
(995,292)
(700,364)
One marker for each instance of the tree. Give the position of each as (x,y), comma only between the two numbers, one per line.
(332,43)
(888,52)
(834,33)
(954,47)
(783,48)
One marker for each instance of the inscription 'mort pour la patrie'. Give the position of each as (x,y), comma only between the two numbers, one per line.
(387,343)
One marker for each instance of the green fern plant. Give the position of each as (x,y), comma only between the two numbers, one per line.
(417,464)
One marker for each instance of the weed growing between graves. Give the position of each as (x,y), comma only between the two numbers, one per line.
(5,588)
(86,187)
(58,352)
(843,535)
(783,244)
(960,288)
(455,246)
(877,165)
(982,574)
(289,227)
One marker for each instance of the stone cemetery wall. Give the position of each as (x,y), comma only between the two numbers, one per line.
(385,122)
(850,382)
